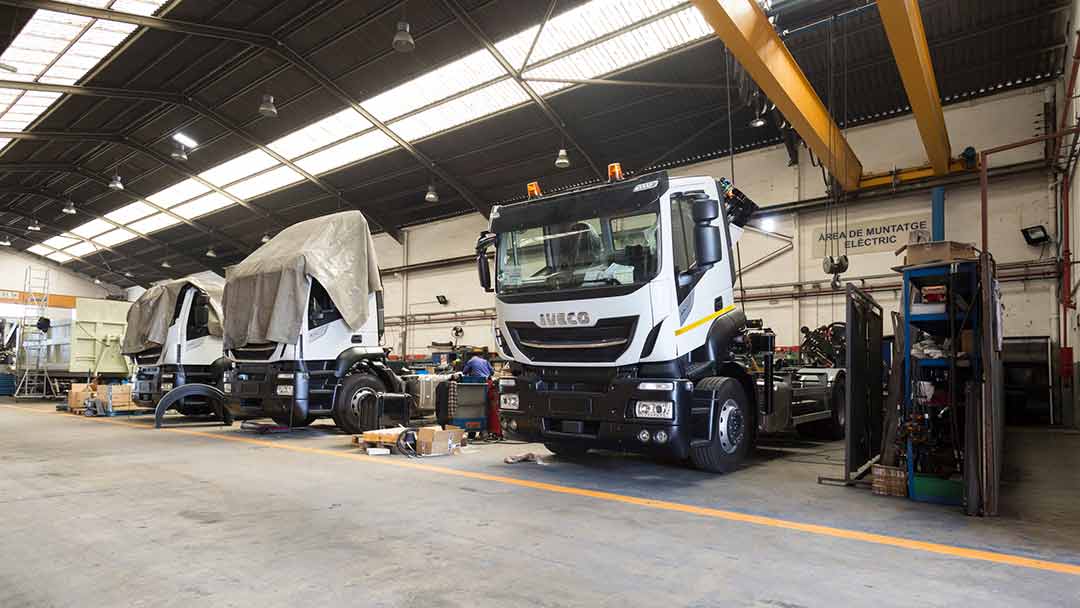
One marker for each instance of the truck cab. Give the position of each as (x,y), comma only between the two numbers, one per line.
(300,345)
(190,351)
(615,306)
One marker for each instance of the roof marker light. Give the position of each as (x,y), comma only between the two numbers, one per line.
(614,172)
(533,190)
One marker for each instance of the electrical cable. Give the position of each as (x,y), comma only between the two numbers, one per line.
(730,128)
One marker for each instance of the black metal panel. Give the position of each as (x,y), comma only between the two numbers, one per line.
(865,379)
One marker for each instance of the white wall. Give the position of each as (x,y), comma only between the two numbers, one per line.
(764,175)
(64,282)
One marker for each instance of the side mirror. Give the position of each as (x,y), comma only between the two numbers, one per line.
(483,268)
(708,242)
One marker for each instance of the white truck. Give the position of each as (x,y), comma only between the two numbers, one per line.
(303,329)
(615,307)
(174,337)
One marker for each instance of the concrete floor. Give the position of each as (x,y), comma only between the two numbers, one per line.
(100,513)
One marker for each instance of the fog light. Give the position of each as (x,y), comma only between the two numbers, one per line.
(660,436)
(643,436)
(509,401)
(228,387)
(285,390)
(166,386)
(512,425)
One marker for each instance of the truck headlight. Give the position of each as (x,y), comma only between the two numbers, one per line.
(506,382)
(166,386)
(656,386)
(654,409)
(285,376)
(228,387)
(509,401)
(166,376)
(285,390)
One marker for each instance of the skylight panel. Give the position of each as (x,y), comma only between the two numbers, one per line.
(440,83)
(154,223)
(626,49)
(82,249)
(178,193)
(488,100)
(324,132)
(92,228)
(203,205)
(60,257)
(39,249)
(55,47)
(238,168)
(59,242)
(130,213)
(114,237)
(265,182)
(350,151)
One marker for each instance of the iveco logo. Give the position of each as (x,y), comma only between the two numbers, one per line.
(556,319)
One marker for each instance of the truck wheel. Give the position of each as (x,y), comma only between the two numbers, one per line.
(733,427)
(359,388)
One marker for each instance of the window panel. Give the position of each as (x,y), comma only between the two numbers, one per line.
(238,168)
(154,223)
(178,193)
(59,242)
(130,213)
(265,182)
(324,132)
(92,228)
(203,205)
(346,152)
(59,257)
(39,249)
(114,237)
(83,248)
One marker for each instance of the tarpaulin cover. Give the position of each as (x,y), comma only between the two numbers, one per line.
(266,294)
(150,316)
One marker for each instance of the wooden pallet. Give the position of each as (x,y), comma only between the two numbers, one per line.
(116,411)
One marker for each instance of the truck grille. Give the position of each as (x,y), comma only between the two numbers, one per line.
(255,352)
(604,342)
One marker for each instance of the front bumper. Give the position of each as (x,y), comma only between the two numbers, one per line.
(252,391)
(601,418)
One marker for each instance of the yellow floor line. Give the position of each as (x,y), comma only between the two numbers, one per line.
(772,522)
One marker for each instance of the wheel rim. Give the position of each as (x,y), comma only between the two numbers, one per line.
(731,427)
(841,407)
(363,396)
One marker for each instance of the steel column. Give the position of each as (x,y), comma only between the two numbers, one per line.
(904,27)
(744,28)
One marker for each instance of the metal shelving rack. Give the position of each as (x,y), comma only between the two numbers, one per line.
(962,309)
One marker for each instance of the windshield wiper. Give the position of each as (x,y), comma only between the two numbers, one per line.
(604,280)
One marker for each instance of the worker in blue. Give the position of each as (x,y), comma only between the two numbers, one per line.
(478,366)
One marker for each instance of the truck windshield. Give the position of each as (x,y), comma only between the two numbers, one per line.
(584,253)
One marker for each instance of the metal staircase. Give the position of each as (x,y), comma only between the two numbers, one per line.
(34,380)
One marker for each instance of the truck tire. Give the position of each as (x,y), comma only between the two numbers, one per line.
(733,429)
(346,419)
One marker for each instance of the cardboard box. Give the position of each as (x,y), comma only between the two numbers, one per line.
(939,251)
(435,440)
(117,395)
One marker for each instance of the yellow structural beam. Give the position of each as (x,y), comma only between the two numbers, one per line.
(904,28)
(745,29)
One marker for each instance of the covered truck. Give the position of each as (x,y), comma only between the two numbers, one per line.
(174,336)
(303,325)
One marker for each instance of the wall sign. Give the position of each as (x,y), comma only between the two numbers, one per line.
(870,236)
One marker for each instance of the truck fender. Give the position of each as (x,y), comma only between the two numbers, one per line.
(179,393)
(722,334)
(354,359)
